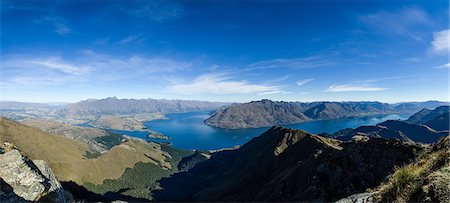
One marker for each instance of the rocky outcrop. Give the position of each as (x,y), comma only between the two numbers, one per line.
(366,197)
(27,180)
(267,113)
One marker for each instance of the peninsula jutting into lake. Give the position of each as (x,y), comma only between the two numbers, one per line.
(224,101)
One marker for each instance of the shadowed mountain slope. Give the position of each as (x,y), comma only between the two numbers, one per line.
(289,165)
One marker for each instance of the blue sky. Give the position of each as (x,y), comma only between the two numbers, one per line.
(234,51)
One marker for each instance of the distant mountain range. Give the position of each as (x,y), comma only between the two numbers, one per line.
(437,119)
(114,106)
(425,126)
(266,113)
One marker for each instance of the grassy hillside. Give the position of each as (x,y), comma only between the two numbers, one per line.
(426,180)
(67,156)
(142,179)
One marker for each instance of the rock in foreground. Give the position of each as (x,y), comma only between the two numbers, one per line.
(26,180)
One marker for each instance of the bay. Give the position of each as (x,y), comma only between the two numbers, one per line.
(187,130)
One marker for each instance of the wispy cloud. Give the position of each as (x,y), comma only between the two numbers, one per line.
(302,82)
(441,41)
(400,22)
(58,64)
(295,63)
(443,66)
(353,88)
(86,66)
(131,38)
(382,79)
(222,83)
(277,80)
(156,10)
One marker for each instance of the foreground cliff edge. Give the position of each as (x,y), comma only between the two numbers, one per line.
(22,179)
(280,165)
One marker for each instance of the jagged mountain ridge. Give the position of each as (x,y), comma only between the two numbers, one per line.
(289,165)
(437,119)
(425,126)
(266,113)
(114,106)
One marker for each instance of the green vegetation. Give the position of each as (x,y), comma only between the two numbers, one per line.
(138,181)
(143,178)
(92,155)
(111,140)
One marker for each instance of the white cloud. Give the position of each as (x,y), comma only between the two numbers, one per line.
(113,68)
(352,88)
(302,82)
(84,67)
(221,83)
(443,66)
(307,62)
(400,22)
(58,64)
(441,41)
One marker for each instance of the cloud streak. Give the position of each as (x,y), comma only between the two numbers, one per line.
(221,83)
(294,63)
(58,64)
(353,88)
(302,82)
(84,67)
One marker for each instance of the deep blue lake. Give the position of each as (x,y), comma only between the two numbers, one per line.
(187,130)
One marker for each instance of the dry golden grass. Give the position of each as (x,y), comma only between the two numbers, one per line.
(66,156)
(407,179)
